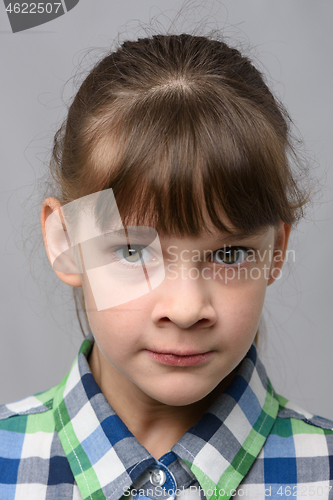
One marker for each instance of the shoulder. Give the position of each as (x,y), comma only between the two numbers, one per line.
(25,423)
(31,405)
(301,442)
(290,413)
(297,455)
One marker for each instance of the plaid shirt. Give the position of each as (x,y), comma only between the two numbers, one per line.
(67,443)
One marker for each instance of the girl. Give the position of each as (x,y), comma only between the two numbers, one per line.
(177,200)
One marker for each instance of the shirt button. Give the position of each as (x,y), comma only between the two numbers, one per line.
(157,477)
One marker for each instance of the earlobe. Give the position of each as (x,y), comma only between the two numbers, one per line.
(279,254)
(57,243)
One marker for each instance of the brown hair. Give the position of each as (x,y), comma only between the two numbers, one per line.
(173,121)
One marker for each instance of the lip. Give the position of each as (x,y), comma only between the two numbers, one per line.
(180,359)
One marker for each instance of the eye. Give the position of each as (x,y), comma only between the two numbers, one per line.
(133,256)
(231,255)
(130,254)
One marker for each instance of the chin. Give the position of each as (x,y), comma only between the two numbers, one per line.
(179,398)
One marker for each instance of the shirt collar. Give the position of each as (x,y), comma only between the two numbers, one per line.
(220,448)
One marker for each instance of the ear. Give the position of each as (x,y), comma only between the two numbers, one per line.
(279,253)
(57,243)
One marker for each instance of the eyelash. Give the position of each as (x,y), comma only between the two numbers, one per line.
(247,250)
(122,260)
(141,248)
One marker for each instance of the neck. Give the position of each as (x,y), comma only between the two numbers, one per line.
(155,425)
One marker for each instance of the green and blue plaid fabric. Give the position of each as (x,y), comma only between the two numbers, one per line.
(67,443)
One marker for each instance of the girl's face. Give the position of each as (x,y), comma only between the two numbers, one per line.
(175,344)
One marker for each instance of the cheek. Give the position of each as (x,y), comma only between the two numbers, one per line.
(118,326)
(114,330)
(240,308)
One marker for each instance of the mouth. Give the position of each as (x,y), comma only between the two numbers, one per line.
(180,359)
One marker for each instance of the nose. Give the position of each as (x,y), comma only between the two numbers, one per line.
(185,302)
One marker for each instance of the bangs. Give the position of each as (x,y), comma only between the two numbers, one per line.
(177,152)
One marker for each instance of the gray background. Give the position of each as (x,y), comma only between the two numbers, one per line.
(293,40)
